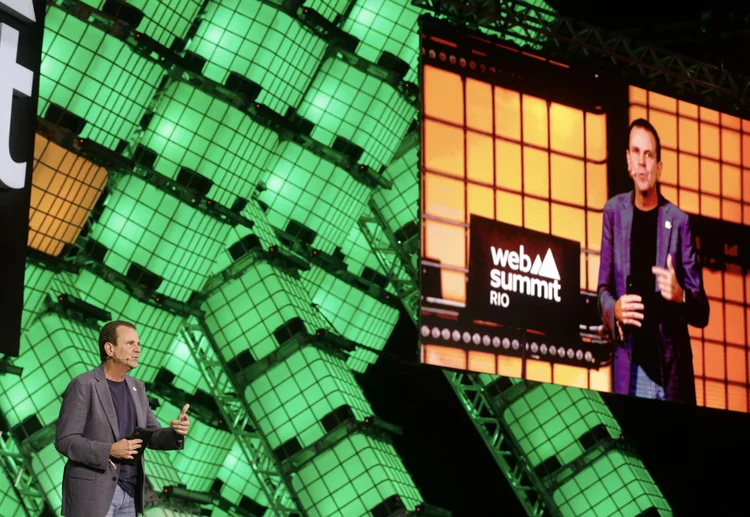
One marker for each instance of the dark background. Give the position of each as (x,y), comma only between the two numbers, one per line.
(14,203)
(696,456)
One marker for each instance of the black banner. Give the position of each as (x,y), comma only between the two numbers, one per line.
(21,29)
(523,278)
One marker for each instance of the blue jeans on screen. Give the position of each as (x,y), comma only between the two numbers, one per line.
(122,504)
(642,385)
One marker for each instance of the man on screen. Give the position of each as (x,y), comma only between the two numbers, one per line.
(650,283)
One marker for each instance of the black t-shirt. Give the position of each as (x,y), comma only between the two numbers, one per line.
(643,282)
(126,420)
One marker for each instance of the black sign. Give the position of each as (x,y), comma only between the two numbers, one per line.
(21,29)
(523,278)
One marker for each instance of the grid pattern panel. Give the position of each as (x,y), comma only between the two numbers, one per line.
(353,314)
(616,484)
(706,156)
(301,186)
(549,420)
(353,477)
(261,43)
(706,171)
(331,10)
(398,203)
(163,20)
(187,375)
(48,466)
(515,158)
(388,25)
(35,288)
(357,251)
(244,313)
(193,130)
(238,479)
(96,76)
(156,328)
(344,101)
(143,225)
(160,470)
(53,351)
(64,189)
(203,456)
(720,350)
(291,398)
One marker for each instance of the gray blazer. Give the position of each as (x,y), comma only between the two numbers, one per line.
(86,429)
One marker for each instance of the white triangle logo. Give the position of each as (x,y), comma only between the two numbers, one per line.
(537,266)
(549,268)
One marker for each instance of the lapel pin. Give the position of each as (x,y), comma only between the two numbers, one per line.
(668,225)
(134,389)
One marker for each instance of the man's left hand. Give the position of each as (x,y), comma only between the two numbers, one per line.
(667,280)
(182,424)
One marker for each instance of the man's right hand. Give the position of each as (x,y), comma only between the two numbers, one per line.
(125,449)
(629,310)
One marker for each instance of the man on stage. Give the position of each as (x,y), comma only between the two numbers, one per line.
(650,283)
(100,409)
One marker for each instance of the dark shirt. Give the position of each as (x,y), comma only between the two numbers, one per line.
(126,421)
(643,282)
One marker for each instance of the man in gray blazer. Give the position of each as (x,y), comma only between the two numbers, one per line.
(650,282)
(104,474)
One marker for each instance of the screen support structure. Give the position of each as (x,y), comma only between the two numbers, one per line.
(572,39)
(17,466)
(234,407)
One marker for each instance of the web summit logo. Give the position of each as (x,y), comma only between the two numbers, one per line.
(540,279)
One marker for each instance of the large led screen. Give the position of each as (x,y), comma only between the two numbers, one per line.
(580,230)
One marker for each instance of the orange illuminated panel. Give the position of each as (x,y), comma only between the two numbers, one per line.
(520,159)
(64,189)
(711,177)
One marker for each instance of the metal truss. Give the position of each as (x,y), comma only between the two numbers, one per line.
(486,417)
(570,39)
(16,464)
(229,396)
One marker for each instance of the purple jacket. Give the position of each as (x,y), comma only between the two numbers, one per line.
(673,236)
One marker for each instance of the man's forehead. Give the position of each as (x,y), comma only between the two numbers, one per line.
(641,136)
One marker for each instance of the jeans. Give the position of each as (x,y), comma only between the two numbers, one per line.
(643,386)
(122,504)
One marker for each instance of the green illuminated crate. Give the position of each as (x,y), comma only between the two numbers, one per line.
(353,314)
(204,453)
(290,399)
(35,288)
(353,477)
(262,44)
(261,229)
(244,313)
(549,420)
(156,327)
(143,225)
(357,251)
(163,20)
(95,76)
(345,102)
(10,505)
(187,375)
(388,25)
(616,484)
(198,464)
(302,187)
(238,478)
(400,203)
(48,466)
(53,350)
(194,130)
(331,10)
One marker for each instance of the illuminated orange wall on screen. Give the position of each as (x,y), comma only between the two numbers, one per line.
(706,171)
(515,158)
